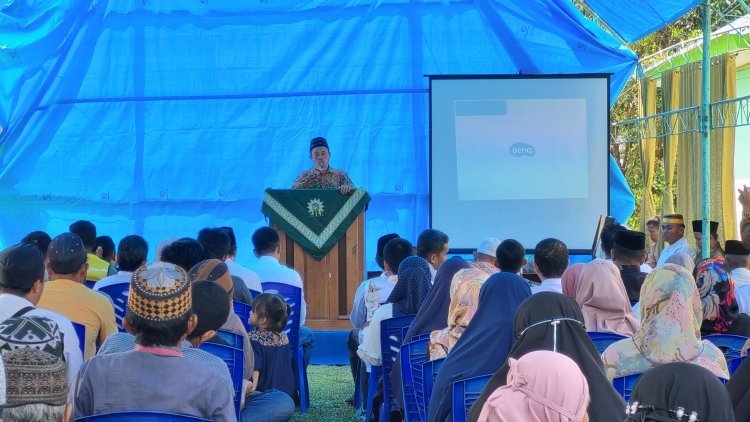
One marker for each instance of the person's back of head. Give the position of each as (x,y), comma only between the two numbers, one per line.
(629,247)
(213,270)
(510,255)
(487,251)
(432,245)
(185,253)
(39,239)
(609,232)
(736,255)
(382,241)
(131,253)
(211,306)
(395,251)
(21,269)
(66,258)
(550,258)
(36,387)
(86,231)
(107,246)
(160,306)
(266,241)
(215,242)
(270,312)
(232,240)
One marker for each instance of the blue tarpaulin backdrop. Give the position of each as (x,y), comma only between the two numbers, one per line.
(163,117)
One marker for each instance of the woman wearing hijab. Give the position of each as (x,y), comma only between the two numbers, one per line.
(721,314)
(680,392)
(671,316)
(551,321)
(541,386)
(407,296)
(570,279)
(603,300)
(484,345)
(682,259)
(431,315)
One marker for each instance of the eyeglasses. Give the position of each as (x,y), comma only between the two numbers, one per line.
(678,414)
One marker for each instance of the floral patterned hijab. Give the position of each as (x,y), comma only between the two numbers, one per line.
(716,290)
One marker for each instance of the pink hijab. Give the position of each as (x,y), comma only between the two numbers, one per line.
(543,386)
(570,279)
(603,300)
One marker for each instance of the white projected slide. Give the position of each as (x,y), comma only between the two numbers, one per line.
(508,135)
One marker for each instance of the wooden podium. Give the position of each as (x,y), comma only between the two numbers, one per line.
(329,283)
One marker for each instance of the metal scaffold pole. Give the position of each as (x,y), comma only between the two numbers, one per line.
(705,126)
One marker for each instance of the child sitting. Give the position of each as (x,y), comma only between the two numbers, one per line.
(273,364)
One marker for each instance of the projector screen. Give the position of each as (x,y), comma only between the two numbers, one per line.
(522,157)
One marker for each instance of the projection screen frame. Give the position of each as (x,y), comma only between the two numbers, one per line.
(431,77)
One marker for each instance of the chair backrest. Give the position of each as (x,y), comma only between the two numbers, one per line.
(81,333)
(413,355)
(141,416)
(603,340)
(89,283)
(234,340)
(729,344)
(119,294)
(391,334)
(293,297)
(624,385)
(465,393)
(233,357)
(243,311)
(430,371)
(254,293)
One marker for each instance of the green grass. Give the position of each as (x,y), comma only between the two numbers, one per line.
(329,388)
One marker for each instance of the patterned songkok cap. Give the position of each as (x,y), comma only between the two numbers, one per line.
(35,377)
(160,292)
(31,332)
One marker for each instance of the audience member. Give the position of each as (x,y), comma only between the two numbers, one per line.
(251,280)
(184,252)
(713,242)
(671,316)
(406,298)
(603,300)
(131,255)
(160,315)
(652,227)
(680,391)
(737,261)
(39,239)
(160,247)
(570,278)
(216,243)
(607,238)
(628,253)
(484,345)
(98,268)
(550,261)
(271,345)
(541,386)
(432,246)
(377,291)
(510,256)
(551,321)
(36,387)
(673,232)
(682,259)
(266,247)
(464,296)
(105,249)
(67,295)
(721,315)
(21,287)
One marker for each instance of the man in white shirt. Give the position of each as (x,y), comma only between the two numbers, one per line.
(550,260)
(250,278)
(673,232)
(131,255)
(266,245)
(432,246)
(737,260)
(21,286)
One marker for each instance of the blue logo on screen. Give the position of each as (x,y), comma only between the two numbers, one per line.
(519,149)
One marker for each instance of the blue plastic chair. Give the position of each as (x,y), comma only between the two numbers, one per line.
(413,355)
(89,283)
(243,311)
(603,340)
(119,295)
(372,388)
(734,364)
(234,358)
(624,385)
(416,337)
(729,344)
(391,330)
(81,333)
(232,339)
(141,416)
(254,293)
(430,371)
(465,393)
(293,297)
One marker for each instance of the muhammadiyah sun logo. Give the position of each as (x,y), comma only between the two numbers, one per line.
(315,207)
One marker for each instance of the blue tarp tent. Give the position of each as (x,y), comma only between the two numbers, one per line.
(162,117)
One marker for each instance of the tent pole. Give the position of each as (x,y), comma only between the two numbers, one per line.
(706,126)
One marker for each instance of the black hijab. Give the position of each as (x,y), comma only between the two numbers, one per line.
(433,315)
(485,343)
(412,286)
(661,391)
(739,391)
(606,404)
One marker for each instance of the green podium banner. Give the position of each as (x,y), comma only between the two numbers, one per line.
(314,218)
